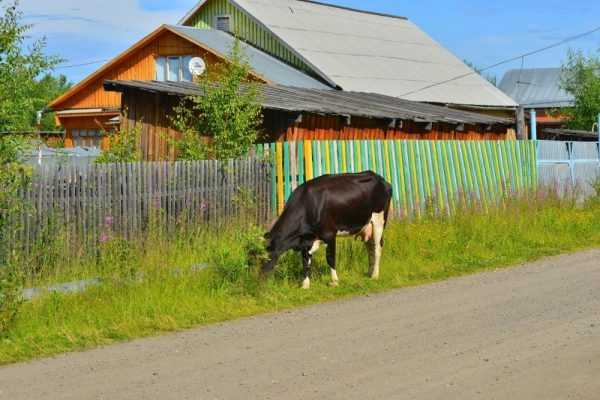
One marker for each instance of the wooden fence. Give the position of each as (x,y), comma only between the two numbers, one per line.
(86,201)
(82,201)
(422,173)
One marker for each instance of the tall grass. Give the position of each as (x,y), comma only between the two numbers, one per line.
(158,283)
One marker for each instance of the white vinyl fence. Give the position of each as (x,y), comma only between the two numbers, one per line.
(569,166)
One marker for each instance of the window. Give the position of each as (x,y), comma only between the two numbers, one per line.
(223,23)
(173,68)
(91,138)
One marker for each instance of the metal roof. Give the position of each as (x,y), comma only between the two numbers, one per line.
(329,102)
(368,52)
(260,62)
(539,88)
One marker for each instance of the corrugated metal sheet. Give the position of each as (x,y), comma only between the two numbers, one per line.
(265,65)
(330,102)
(203,17)
(536,88)
(367,52)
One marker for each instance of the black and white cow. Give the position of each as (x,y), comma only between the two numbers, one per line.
(320,210)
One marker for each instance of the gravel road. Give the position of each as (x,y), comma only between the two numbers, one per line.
(531,332)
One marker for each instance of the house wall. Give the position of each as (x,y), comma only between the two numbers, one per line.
(150,113)
(280,127)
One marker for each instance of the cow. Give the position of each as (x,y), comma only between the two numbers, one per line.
(330,206)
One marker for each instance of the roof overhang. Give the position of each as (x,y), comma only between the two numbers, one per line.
(329,102)
(87,112)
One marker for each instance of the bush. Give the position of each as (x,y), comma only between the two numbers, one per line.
(11,287)
(229,111)
(123,146)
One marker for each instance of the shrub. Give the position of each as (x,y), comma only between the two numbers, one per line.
(11,286)
(228,111)
(123,146)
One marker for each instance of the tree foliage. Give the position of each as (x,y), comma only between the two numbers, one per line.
(48,88)
(123,146)
(22,72)
(228,111)
(581,78)
(13,175)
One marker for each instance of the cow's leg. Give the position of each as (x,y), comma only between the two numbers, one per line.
(375,243)
(307,260)
(331,262)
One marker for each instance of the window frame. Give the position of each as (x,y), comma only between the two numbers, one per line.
(164,62)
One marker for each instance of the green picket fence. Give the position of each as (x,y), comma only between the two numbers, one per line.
(424,174)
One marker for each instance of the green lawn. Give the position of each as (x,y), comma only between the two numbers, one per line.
(150,288)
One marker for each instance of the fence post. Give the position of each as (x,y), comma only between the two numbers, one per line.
(521,124)
(533,120)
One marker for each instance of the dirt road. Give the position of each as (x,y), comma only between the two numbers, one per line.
(525,333)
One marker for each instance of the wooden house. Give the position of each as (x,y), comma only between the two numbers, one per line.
(86,111)
(293,113)
(295,43)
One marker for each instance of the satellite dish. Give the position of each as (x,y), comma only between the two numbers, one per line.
(197,66)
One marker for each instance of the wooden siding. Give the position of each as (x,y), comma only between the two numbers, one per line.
(151,112)
(140,66)
(280,127)
(248,29)
(95,122)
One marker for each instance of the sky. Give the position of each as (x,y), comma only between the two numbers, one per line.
(481,31)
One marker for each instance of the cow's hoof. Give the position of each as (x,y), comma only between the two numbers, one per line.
(375,277)
(334,284)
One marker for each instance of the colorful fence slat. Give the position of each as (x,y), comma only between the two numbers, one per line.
(425,175)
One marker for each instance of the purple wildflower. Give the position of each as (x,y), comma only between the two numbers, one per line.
(104,238)
(109,220)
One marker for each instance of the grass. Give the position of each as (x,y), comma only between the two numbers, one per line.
(149,287)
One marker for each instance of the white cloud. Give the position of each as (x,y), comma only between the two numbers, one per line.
(100,19)
(80,31)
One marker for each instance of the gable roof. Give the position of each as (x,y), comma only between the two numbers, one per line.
(363,51)
(329,102)
(269,67)
(537,87)
(262,65)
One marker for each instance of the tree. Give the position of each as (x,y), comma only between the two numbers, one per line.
(228,111)
(581,78)
(48,88)
(20,72)
(490,78)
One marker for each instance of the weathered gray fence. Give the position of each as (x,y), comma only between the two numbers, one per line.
(569,166)
(84,202)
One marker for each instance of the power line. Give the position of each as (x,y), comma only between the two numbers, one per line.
(522,56)
(81,65)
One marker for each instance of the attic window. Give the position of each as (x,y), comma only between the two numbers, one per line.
(223,23)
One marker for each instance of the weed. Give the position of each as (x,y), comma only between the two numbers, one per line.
(192,275)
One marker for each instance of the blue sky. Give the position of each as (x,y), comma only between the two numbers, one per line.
(483,32)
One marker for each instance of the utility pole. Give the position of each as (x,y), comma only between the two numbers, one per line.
(521,126)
